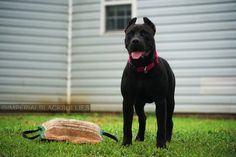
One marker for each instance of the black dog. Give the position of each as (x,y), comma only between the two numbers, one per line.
(146,78)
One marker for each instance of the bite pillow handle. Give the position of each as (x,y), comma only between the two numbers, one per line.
(25,133)
(109,135)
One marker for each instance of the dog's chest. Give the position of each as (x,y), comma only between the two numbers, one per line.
(147,88)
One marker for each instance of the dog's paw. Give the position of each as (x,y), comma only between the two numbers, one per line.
(161,145)
(139,138)
(126,144)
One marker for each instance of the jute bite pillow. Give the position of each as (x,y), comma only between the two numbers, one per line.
(75,131)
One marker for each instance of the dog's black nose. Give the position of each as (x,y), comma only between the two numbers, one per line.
(135,41)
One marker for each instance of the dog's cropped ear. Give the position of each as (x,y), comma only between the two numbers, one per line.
(150,24)
(131,22)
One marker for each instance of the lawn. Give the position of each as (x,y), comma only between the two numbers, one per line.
(192,137)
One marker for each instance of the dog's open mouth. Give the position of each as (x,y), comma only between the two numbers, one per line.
(136,54)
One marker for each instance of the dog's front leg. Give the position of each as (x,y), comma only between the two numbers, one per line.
(128,112)
(139,108)
(161,122)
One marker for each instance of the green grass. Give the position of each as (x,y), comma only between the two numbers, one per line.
(192,137)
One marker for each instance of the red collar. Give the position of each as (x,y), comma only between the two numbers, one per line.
(144,69)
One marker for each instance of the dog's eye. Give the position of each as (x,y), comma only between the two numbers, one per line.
(131,33)
(143,33)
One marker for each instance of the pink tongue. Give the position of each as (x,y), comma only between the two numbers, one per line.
(136,55)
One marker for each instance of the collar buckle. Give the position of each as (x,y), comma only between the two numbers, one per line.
(145,70)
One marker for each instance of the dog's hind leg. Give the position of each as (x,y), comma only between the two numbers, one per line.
(139,108)
(169,121)
(161,113)
(170,103)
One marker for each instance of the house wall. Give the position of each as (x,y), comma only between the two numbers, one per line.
(196,37)
(33,51)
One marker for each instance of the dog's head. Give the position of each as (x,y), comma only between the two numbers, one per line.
(139,39)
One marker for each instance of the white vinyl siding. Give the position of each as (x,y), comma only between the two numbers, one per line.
(197,37)
(95,80)
(33,51)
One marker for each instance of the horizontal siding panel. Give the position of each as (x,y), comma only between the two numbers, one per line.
(196,27)
(53,2)
(98,49)
(33,15)
(106,57)
(85,32)
(96,91)
(206,99)
(206,72)
(32,65)
(205,90)
(95,82)
(86,8)
(32,48)
(223,81)
(11,5)
(86,16)
(96,99)
(32,32)
(198,54)
(198,18)
(31,99)
(98,66)
(85,2)
(33,40)
(14,22)
(98,40)
(31,90)
(206,81)
(102,74)
(183,10)
(21,56)
(219,44)
(86,24)
(207,63)
(198,108)
(42,82)
(32,73)
(198,36)
(169,3)
(218,90)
